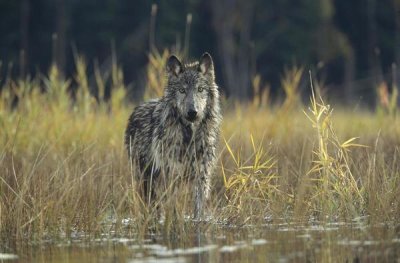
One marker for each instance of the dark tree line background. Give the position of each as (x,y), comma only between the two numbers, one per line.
(350,44)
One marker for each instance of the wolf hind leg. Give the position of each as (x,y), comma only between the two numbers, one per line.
(148,193)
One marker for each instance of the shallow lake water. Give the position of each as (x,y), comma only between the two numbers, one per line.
(334,242)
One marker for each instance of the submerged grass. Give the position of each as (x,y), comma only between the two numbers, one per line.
(64,171)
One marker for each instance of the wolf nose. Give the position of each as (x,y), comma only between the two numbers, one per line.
(192,115)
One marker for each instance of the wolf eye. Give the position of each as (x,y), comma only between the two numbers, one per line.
(200,89)
(181,90)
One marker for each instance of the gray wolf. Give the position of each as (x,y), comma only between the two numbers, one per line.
(175,136)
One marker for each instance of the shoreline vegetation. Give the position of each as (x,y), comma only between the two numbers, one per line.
(64,169)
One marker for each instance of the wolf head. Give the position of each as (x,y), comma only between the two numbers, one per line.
(191,87)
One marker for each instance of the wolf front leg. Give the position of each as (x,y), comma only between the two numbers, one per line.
(202,190)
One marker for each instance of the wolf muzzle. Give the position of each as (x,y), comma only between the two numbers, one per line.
(191,115)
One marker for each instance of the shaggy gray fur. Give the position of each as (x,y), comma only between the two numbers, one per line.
(176,135)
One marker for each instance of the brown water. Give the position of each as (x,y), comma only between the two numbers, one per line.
(270,243)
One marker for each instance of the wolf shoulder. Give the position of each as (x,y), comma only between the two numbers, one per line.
(144,111)
(141,123)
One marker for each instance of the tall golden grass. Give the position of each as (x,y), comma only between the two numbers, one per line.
(64,171)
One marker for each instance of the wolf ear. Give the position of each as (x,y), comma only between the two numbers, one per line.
(206,65)
(174,66)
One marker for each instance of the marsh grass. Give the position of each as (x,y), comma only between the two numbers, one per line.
(64,172)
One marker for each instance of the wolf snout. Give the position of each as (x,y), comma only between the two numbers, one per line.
(191,115)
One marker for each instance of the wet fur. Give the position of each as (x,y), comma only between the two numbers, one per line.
(164,144)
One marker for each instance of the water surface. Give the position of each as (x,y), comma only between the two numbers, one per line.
(335,242)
